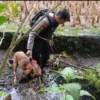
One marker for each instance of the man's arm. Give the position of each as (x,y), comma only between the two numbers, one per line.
(42,25)
(51,37)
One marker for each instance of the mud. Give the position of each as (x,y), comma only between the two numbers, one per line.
(23,91)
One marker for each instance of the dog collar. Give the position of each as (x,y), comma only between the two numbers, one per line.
(28,66)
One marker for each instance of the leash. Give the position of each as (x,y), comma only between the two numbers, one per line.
(45,40)
(30,60)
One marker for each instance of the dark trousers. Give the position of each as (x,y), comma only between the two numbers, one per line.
(41,52)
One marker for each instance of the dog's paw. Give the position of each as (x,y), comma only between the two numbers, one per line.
(32,91)
(15,85)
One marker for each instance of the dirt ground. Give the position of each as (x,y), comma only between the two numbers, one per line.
(23,90)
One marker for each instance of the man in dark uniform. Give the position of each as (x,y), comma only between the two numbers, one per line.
(38,47)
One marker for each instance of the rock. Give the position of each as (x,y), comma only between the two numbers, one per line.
(2,83)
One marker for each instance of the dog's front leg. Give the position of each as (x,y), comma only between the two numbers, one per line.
(15,79)
(15,64)
(15,76)
(40,82)
(32,87)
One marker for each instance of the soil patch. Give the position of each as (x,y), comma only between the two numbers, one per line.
(23,90)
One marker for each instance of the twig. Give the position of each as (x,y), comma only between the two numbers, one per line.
(21,26)
(26,8)
(2,38)
(25,20)
(80,67)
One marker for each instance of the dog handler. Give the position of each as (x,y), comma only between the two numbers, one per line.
(39,48)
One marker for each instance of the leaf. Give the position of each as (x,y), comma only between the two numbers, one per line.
(67,97)
(77,77)
(42,90)
(66,72)
(98,66)
(61,87)
(9,27)
(3,19)
(14,9)
(11,6)
(2,93)
(83,92)
(54,89)
(17,5)
(2,7)
(55,71)
(64,54)
(74,89)
(15,14)
(51,57)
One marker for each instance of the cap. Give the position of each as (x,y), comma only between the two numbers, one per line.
(64,13)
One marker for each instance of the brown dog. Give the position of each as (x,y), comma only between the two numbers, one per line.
(31,69)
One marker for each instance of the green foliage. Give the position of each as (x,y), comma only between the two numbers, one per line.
(60,28)
(68,31)
(93,78)
(8,27)
(14,11)
(83,92)
(71,91)
(68,74)
(64,54)
(2,7)
(2,93)
(67,97)
(54,89)
(68,91)
(11,28)
(52,57)
(76,31)
(94,30)
(97,67)
(3,19)
(14,8)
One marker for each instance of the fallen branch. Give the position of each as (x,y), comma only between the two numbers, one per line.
(78,67)
(2,38)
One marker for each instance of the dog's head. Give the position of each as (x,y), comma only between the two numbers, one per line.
(30,72)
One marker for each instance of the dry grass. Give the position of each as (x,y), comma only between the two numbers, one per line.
(82,12)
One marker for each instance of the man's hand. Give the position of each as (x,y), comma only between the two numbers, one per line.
(51,42)
(29,53)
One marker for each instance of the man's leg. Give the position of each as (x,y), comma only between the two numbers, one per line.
(45,52)
(36,53)
(44,57)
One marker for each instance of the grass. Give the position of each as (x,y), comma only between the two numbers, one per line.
(2,93)
(77,31)
(66,31)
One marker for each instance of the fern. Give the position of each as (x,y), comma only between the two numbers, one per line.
(93,78)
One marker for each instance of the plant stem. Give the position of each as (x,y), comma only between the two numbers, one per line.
(3,65)
(2,38)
